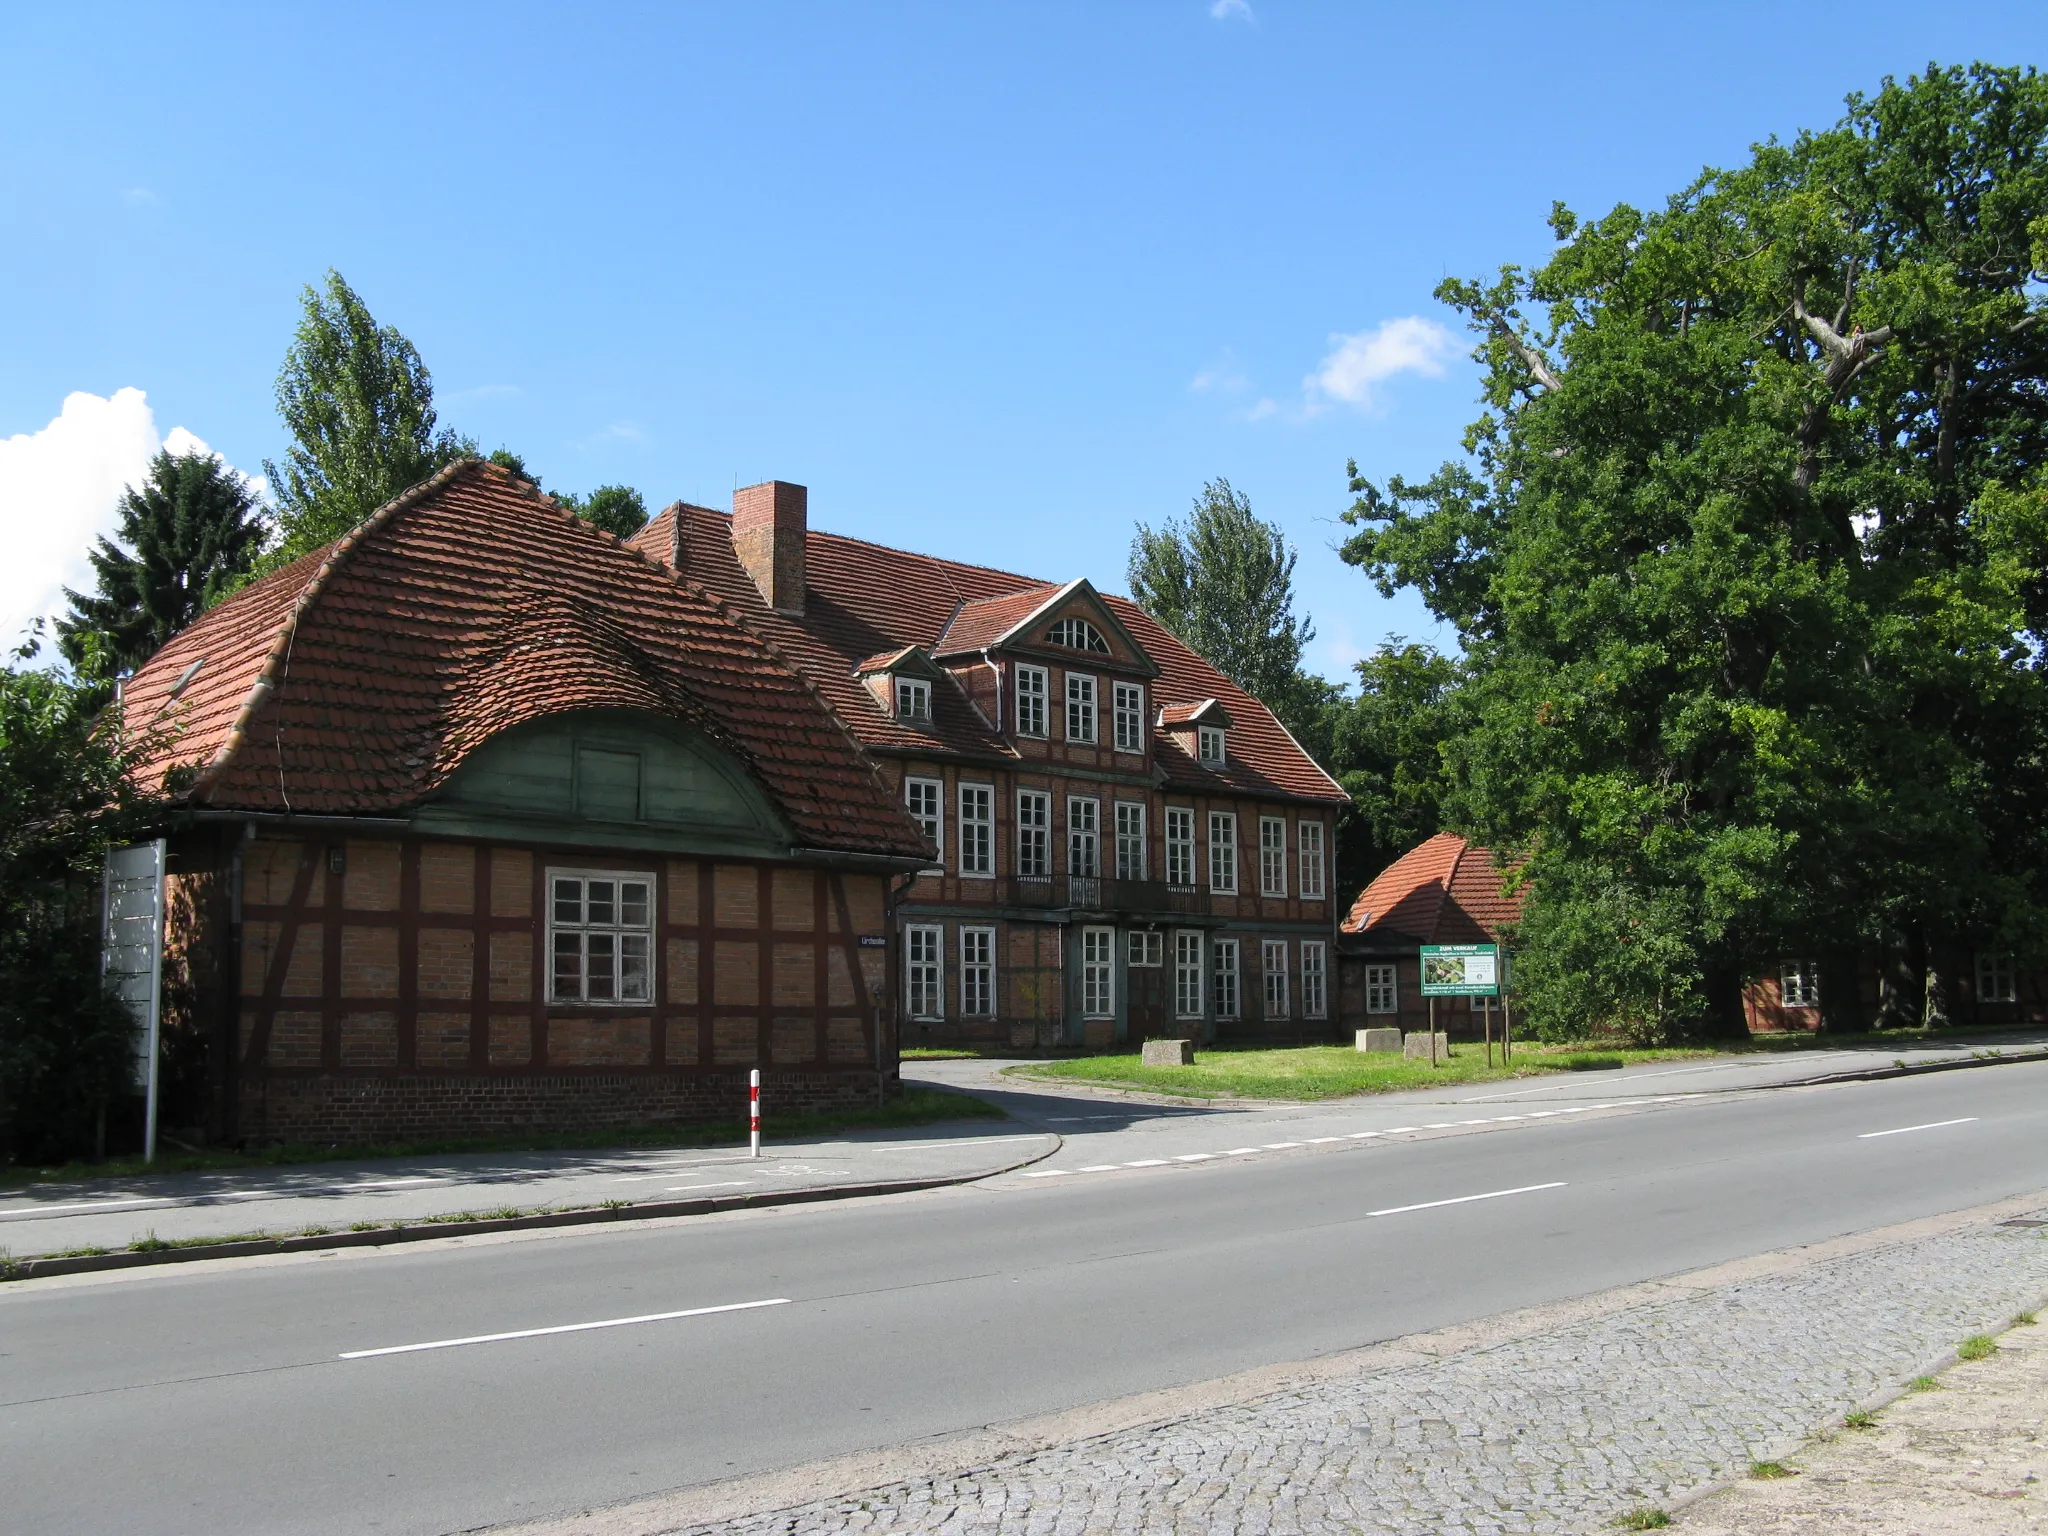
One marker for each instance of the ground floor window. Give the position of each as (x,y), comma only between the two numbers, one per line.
(1997,979)
(600,935)
(1273,967)
(977,973)
(1315,979)
(1799,984)
(1098,973)
(923,971)
(1187,975)
(1382,991)
(1146,947)
(1223,976)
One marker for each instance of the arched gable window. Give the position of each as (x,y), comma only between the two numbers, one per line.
(1077,635)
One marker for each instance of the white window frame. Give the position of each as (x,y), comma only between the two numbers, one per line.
(977,971)
(1211,746)
(1190,981)
(1098,973)
(924,971)
(914,699)
(1799,984)
(977,831)
(1383,988)
(1084,837)
(1130,840)
(1127,701)
(1180,846)
(1034,834)
(1997,979)
(1273,976)
(1315,979)
(930,818)
(1223,852)
(629,976)
(1083,708)
(1144,948)
(1309,864)
(1226,971)
(1273,856)
(1034,685)
(1077,635)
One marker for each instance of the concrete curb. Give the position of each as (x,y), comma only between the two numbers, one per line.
(428,1230)
(1897,1069)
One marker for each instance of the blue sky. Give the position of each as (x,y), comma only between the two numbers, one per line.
(993,281)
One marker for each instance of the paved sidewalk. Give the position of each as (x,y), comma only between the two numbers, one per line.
(1969,1459)
(1674,1387)
(47,1218)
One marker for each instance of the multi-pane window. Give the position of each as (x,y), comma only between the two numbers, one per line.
(1272,856)
(1034,834)
(1080,707)
(1315,979)
(1997,979)
(1031,689)
(1309,867)
(1223,851)
(1128,706)
(1209,743)
(1076,635)
(1180,845)
(924,799)
(977,973)
(1144,947)
(600,937)
(924,971)
(1187,974)
(1130,840)
(977,829)
(913,699)
(1084,837)
(1382,992)
(1273,968)
(1223,977)
(1098,973)
(1799,984)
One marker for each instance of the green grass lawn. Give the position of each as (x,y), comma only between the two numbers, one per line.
(915,1106)
(1333,1071)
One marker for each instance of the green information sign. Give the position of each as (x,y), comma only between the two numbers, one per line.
(1460,970)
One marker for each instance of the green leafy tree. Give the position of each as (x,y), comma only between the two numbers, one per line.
(1223,582)
(1386,747)
(359,405)
(617,509)
(190,530)
(1746,556)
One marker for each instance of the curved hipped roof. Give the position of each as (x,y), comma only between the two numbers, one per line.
(1444,890)
(356,680)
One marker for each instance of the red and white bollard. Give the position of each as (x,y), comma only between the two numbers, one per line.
(754,1113)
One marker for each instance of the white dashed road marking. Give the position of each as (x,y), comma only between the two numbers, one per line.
(1932,1125)
(535,1333)
(1491,1194)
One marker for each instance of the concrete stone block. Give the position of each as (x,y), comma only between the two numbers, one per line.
(1415,1045)
(1379,1039)
(1169,1053)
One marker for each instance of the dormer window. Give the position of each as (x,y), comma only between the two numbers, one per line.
(913,699)
(1077,635)
(1209,743)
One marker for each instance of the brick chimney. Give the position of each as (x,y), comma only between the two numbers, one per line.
(768,536)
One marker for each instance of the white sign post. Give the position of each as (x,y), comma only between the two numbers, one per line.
(132,957)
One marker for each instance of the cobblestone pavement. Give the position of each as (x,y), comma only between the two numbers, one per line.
(1562,1431)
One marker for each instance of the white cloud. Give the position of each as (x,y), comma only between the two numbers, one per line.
(61,487)
(141,197)
(1223,376)
(1227,10)
(1358,364)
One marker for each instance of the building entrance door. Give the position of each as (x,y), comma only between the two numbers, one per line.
(1147,988)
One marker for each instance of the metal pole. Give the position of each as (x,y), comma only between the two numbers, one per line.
(1507,1030)
(754,1113)
(1432,1031)
(1489,1029)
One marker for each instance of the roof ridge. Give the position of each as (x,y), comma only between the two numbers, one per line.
(267,682)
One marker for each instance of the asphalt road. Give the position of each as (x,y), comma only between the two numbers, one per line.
(221,1399)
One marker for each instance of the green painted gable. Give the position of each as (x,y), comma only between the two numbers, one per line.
(608,778)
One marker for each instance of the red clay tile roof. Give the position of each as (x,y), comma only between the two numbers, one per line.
(355,681)
(986,620)
(1441,891)
(866,598)
(1189,714)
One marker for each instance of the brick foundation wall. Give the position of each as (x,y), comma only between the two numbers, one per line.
(343,1110)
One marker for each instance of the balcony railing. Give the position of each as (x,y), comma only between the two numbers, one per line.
(1091,894)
